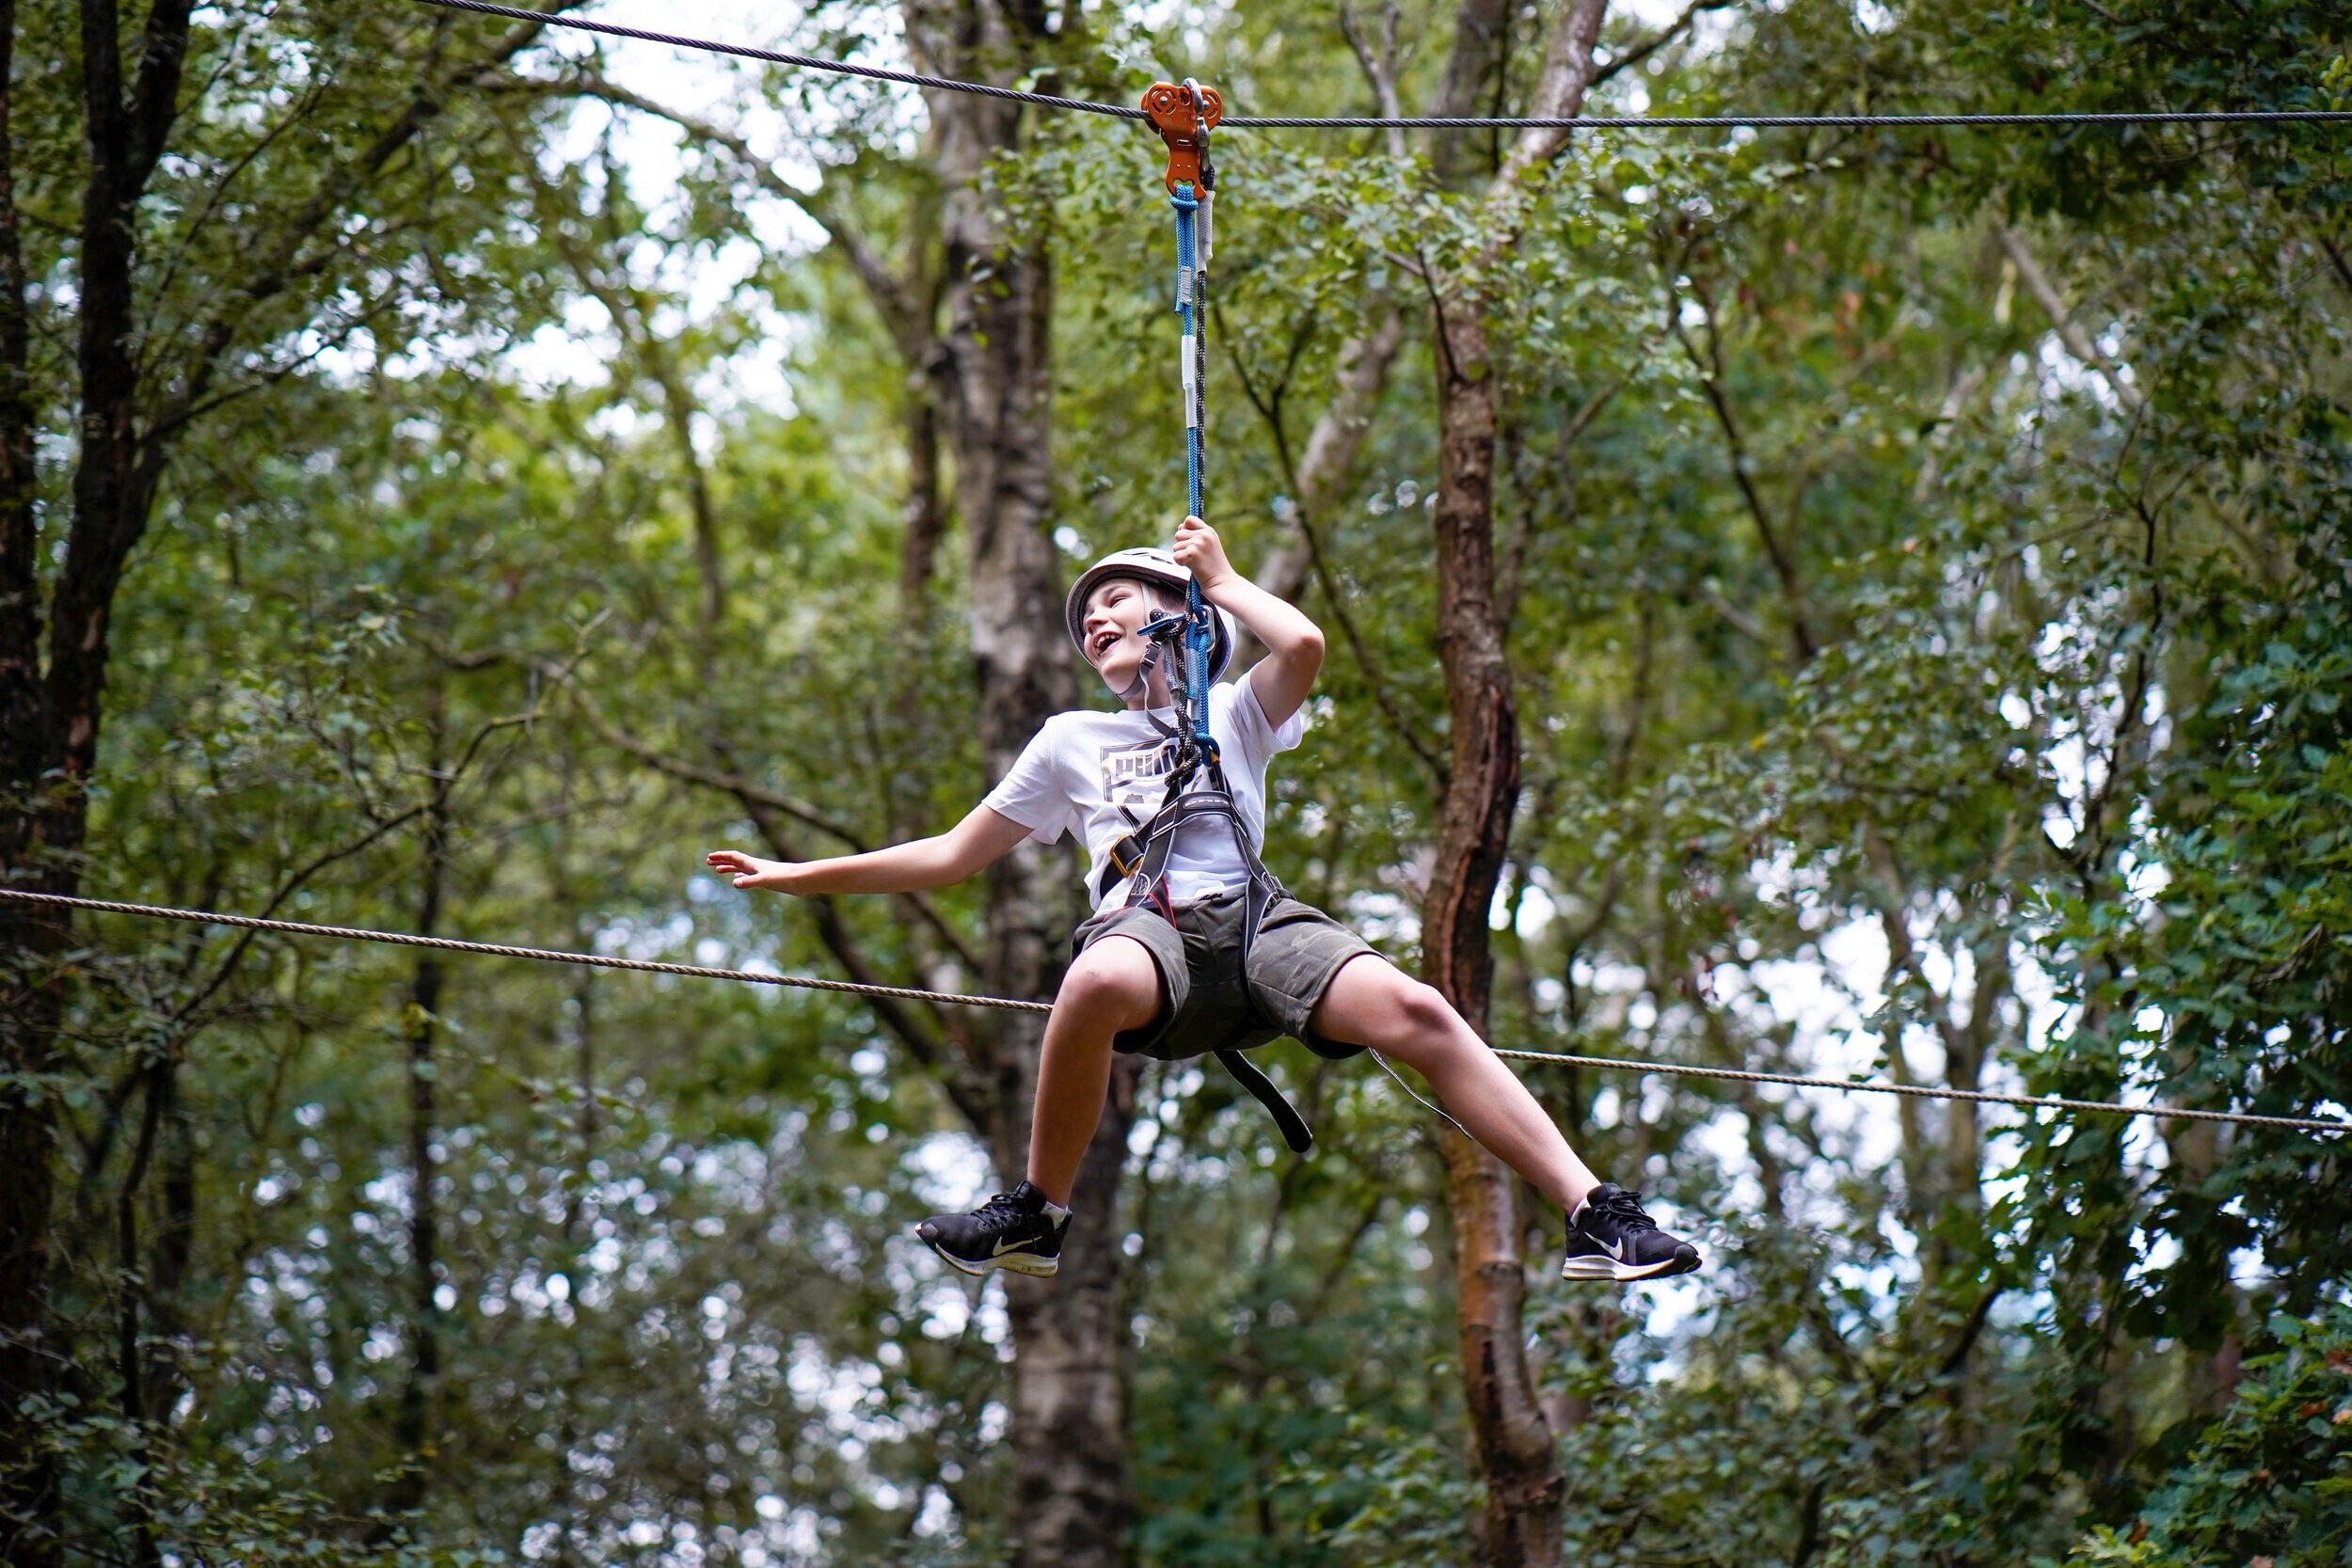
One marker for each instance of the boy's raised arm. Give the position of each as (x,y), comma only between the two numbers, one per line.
(982,837)
(1294,643)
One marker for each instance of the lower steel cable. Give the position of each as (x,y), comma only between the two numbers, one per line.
(500,950)
(957,999)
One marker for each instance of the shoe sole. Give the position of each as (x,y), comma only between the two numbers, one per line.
(1594,1266)
(1011,1262)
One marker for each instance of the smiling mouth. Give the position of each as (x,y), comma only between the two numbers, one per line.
(1104,641)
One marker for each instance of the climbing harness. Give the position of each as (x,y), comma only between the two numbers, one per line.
(1197,792)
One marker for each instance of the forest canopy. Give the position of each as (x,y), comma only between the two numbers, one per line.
(1858,601)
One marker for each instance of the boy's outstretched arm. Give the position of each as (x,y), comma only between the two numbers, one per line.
(909,867)
(1294,643)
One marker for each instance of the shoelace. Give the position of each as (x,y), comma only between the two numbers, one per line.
(1625,1209)
(1003,1205)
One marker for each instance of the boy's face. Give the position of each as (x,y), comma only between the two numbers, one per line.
(1114,613)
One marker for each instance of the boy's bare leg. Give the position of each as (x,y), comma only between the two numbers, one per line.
(1373,1003)
(1113,987)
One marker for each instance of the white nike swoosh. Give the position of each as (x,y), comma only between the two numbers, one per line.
(1002,1248)
(1615,1249)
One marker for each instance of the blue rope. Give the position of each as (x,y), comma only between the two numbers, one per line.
(1199,628)
(1187,207)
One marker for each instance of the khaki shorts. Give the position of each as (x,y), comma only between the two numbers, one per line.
(1207,1004)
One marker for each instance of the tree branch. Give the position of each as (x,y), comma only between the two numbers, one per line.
(155,98)
(1522,525)
(1361,374)
(2336,260)
(1643,50)
(686,773)
(2077,341)
(1964,386)
(754,798)
(1709,371)
(1374,680)
(901,305)
(279,262)
(1559,87)
(181,1017)
(1379,69)
(965,1084)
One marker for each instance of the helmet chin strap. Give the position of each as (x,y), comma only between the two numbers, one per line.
(1157,633)
(1142,683)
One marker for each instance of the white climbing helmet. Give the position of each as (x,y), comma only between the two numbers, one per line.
(1150,564)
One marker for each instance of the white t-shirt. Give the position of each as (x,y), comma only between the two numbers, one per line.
(1083,766)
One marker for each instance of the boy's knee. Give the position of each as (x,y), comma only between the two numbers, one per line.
(1115,972)
(1423,1013)
(1424,1032)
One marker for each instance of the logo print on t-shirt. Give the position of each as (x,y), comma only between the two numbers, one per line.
(1135,779)
(1142,760)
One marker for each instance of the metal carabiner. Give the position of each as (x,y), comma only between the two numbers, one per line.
(1203,119)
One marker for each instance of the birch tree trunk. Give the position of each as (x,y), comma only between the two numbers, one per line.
(1070,1496)
(1516,1451)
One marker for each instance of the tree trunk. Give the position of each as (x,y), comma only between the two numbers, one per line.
(922,514)
(49,717)
(1473,82)
(1516,1451)
(413,1426)
(170,1254)
(1070,1496)
(1514,1443)
(30,1007)
(129,1355)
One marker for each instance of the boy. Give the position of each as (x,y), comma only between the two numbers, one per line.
(1148,979)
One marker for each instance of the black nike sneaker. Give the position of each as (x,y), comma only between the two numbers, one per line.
(1018,1230)
(1609,1237)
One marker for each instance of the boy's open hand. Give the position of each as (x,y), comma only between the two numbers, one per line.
(1199,552)
(750,871)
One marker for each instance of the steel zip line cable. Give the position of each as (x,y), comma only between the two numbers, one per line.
(1766,122)
(1409,122)
(773,56)
(805,982)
